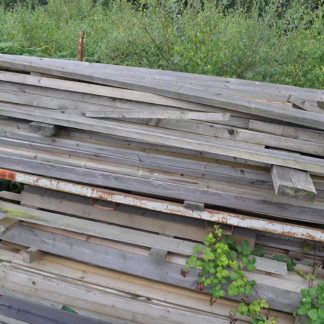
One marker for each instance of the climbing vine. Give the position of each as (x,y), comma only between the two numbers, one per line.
(221,264)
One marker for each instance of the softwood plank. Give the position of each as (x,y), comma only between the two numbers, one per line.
(281,294)
(43,129)
(302,211)
(7,224)
(96,229)
(288,131)
(257,201)
(159,115)
(129,216)
(31,255)
(107,74)
(172,138)
(293,183)
(108,279)
(305,104)
(92,299)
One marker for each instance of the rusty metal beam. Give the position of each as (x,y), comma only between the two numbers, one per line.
(211,215)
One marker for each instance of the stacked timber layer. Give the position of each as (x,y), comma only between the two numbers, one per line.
(125,169)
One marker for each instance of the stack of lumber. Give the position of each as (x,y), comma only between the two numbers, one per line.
(126,169)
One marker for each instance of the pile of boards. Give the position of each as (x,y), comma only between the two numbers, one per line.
(126,169)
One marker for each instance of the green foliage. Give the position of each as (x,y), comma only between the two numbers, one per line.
(12,186)
(289,261)
(311,305)
(278,41)
(221,263)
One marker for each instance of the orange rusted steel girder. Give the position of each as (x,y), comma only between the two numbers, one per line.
(160,205)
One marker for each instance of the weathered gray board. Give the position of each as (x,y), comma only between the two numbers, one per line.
(272,91)
(293,183)
(129,78)
(281,294)
(172,138)
(158,162)
(273,207)
(144,219)
(106,305)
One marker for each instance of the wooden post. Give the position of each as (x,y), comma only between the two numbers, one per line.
(80,46)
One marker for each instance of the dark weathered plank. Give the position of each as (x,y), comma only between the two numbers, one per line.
(293,183)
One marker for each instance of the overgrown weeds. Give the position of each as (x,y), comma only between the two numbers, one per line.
(278,41)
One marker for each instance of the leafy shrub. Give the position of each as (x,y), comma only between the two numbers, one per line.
(278,41)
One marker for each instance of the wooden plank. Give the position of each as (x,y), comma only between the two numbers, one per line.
(193,205)
(256,202)
(108,75)
(159,115)
(172,138)
(282,294)
(288,131)
(240,235)
(139,218)
(31,255)
(305,104)
(157,161)
(7,224)
(43,129)
(293,183)
(108,279)
(96,229)
(93,300)
(10,195)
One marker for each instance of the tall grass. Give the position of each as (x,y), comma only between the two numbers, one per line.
(275,40)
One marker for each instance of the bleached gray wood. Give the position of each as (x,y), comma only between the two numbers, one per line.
(281,294)
(111,75)
(139,159)
(30,255)
(293,183)
(158,255)
(259,204)
(288,131)
(305,104)
(7,224)
(10,195)
(43,129)
(173,138)
(110,232)
(159,115)
(129,216)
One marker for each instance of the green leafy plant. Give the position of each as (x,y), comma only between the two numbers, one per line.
(289,261)
(221,263)
(311,305)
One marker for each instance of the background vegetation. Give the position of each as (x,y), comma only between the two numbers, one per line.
(278,41)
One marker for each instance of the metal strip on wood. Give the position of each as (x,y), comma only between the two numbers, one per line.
(166,206)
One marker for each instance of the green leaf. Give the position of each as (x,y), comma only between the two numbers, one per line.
(196,248)
(224,273)
(302,310)
(235,276)
(313,314)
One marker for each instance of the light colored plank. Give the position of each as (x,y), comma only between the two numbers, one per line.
(288,131)
(112,76)
(305,104)
(7,224)
(265,202)
(31,255)
(167,137)
(293,183)
(43,128)
(159,115)
(96,229)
